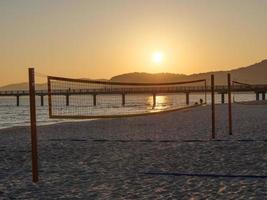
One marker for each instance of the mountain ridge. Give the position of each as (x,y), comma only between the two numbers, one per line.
(252,74)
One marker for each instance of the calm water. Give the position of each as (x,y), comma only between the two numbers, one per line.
(11,115)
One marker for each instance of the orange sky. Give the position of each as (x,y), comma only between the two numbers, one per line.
(100,39)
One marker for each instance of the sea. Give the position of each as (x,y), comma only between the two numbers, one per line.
(12,115)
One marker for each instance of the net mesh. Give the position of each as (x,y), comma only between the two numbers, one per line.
(76,98)
(246,92)
(241,97)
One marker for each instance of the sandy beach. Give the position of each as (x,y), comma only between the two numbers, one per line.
(163,156)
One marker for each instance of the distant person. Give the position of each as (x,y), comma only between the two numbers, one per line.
(201,101)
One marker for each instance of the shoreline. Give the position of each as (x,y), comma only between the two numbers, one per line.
(90,118)
(105,123)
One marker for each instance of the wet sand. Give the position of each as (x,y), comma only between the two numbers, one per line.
(164,156)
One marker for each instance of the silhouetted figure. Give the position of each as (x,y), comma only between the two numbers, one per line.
(201,101)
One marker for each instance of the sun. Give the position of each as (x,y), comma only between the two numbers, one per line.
(157,57)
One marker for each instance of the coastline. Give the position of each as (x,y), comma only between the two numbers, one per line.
(63,119)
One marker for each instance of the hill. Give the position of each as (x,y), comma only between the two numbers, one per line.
(23,86)
(253,74)
(147,77)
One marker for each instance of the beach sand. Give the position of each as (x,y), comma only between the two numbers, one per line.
(164,156)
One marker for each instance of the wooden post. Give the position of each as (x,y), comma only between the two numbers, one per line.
(205,91)
(123,99)
(17,100)
(154,100)
(42,100)
(212,106)
(94,99)
(187,98)
(33,125)
(49,97)
(222,100)
(67,99)
(229,104)
(257,96)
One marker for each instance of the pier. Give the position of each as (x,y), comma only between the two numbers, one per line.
(259,90)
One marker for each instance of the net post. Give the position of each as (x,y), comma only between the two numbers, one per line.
(33,125)
(229,103)
(233,86)
(212,107)
(205,91)
(49,97)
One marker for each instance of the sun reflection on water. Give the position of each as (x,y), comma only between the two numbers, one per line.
(162,102)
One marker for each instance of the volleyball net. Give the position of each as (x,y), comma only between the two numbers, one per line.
(247,92)
(84,99)
(241,86)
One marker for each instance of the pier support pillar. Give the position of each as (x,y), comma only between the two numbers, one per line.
(257,96)
(67,99)
(263,96)
(187,98)
(154,100)
(123,99)
(94,96)
(222,96)
(17,100)
(42,100)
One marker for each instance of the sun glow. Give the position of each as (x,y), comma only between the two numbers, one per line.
(157,58)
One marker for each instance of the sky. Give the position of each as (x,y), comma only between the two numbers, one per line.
(103,38)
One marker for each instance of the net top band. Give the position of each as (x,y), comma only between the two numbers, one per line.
(121,83)
(240,83)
